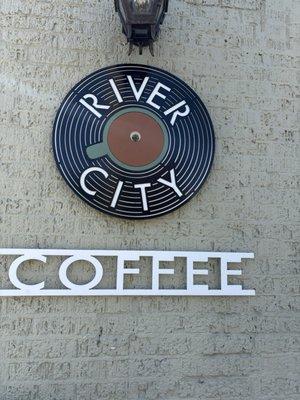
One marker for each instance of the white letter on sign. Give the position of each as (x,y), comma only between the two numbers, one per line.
(143,187)
(14,269)
(225,272)
(137,93)
(87,286)
(156,271)
(171,184)
(116,91)
(84,175)
(121,271)
(94,105)
(117,194)
(191,272)
(157,93)
(178,113)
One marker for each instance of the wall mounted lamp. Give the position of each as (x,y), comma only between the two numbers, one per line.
(141,20)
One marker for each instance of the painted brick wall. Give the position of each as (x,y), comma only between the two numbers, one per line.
(239,55)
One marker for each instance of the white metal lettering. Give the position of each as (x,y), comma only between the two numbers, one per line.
(156,92)
(117,194)
(176,112)
(171,184)
(116,90)
(142,187)
(85,174)
(137,93)
(90,285)
(94,106)
(91,256)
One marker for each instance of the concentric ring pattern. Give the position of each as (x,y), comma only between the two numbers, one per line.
(190,143)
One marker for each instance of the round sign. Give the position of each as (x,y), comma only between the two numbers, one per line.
(133,141)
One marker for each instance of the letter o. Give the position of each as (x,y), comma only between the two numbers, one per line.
(67,283)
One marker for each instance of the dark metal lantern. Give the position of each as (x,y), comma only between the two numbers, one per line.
(141,20)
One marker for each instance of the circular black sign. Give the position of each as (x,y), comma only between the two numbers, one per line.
(133,141)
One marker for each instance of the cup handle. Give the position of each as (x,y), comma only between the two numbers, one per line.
(96,151)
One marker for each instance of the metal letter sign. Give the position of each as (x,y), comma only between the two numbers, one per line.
(133,141)
(123,256)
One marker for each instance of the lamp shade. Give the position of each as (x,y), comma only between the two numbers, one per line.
(141,20)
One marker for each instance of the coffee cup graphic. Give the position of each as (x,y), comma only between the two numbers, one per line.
(133,138)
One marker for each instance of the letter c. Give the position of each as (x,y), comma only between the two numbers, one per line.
(13,269)
(84,175)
